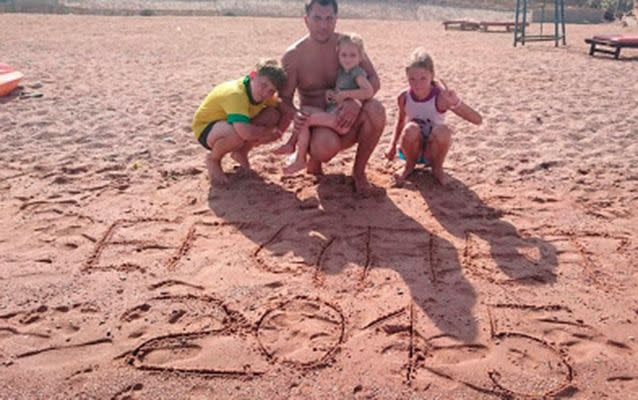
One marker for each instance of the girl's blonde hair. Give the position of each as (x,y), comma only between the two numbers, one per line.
(351,38)
(420,59)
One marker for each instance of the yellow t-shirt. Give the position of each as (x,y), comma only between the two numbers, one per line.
(231,101)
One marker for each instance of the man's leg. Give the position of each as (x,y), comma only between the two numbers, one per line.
(372,124)
(324,144)
(268,117)
(439,143)
(222,140)
(411,147)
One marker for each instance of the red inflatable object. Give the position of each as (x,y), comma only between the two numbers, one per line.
(9,79)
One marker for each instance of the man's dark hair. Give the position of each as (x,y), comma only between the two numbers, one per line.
(332,3)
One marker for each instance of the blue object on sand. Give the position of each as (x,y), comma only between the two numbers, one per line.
(421,160)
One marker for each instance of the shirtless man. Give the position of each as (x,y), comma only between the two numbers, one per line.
(311,65)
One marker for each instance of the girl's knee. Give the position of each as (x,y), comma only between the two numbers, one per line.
(441,135)
(411,134)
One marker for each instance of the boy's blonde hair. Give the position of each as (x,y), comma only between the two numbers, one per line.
(420,59)
(351,38)
(271,69)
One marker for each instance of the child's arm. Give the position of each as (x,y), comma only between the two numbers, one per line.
(449,100)
(364,92)
(398,127)
(467,113)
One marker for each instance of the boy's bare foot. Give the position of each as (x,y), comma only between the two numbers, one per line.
(295,167)
(241,158)
(215,172)
(285,149)
(439,175)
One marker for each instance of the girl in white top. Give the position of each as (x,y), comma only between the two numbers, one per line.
(425,138)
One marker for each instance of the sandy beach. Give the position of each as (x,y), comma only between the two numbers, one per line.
(123,275)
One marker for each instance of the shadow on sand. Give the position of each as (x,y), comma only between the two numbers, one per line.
(357,242)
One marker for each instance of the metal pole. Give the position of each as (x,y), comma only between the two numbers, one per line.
(543,15)
(556,36)
(562,20)
(524,20)
(516,24)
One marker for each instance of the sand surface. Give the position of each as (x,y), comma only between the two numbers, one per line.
(124,276)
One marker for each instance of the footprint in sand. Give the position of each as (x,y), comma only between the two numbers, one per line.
(45,329)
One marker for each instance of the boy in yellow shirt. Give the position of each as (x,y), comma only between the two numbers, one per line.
(238,115)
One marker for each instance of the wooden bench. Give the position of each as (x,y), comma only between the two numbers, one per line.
(509,26)
(613,43)
(462,24)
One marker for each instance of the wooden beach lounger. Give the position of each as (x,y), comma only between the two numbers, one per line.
(462,24)
(508,26)
(615,42)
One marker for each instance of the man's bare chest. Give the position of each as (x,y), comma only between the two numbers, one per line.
(318,72)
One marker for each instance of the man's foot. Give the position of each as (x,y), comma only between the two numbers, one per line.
(440,177)
(295,167)
(285,149)
(241,158)
(314,167)
(361,184)
(215,172)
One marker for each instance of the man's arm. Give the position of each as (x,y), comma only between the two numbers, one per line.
(366,64)
(287,94)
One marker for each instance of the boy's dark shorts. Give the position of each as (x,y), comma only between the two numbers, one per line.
(203,138)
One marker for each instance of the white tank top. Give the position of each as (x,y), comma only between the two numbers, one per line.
(424,109)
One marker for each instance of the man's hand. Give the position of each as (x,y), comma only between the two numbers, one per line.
(348,113)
